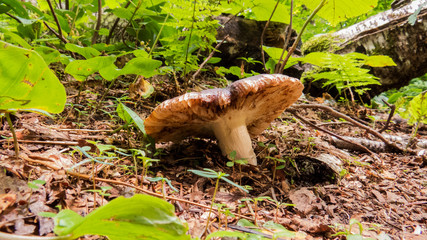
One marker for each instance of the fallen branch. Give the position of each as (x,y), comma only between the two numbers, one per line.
(335,113)
(361,147)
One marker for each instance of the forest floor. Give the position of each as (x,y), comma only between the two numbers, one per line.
(386,192)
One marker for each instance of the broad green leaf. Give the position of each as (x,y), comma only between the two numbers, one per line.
(279,230)
(259,10)
(28,82)
(16,7)
(336,11)
(15,38)
(262,10)
(138,217)
(141,66)
(129,116)
(379,61)
(123,13)
(87,52)
(66,221)
(49,54)
(275,53)
(81,69)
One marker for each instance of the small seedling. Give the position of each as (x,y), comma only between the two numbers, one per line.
(163,179)
(36,184)
(209,173)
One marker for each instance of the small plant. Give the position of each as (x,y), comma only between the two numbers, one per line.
(255,203)
(233,161)
(345,72)
(209,173)
(163,180)
(36,184)
(352,236)
(146,162)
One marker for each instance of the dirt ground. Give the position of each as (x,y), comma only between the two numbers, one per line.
(327,181)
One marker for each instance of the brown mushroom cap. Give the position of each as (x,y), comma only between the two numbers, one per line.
(254,101)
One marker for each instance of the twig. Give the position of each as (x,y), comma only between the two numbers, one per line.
(60,36)
(356,123)
(263,32)
(207,59)
(10,15)
(115,182)
(66,143)
(56,33)
(392,109)
(12,129)
(116,22)
(98,23)
(293,111)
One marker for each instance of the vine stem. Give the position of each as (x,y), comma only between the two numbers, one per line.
(294,46)
(12,129)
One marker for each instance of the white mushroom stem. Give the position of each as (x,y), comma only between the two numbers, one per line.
(232,135)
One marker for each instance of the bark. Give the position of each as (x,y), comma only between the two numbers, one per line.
(244,41)
(389,33)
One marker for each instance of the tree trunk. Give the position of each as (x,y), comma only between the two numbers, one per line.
(389,33)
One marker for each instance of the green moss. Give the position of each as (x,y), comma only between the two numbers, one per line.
(324,43)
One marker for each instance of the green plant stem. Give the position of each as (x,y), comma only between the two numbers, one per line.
(158,35)
(294,46)
(105,93)
(12,130)
(189,40)
(212,203)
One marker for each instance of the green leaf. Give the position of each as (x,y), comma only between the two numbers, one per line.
(15,38)
(16,7)
(258,9)
(129,116)
(138,217)
(81,69)
(28,82)
(418,109)
(336,11)
(49,54)
(379,61)
(86,52)
(281,231)
(141,66)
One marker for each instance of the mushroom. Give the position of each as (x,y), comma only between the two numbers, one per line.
(233,114)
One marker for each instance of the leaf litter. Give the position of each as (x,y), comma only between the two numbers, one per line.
(386,196)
